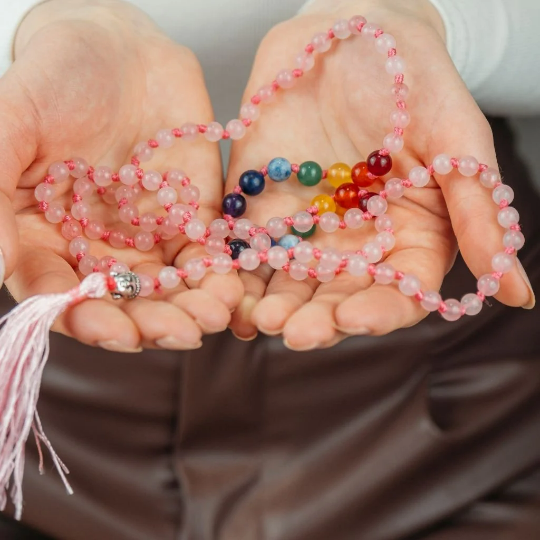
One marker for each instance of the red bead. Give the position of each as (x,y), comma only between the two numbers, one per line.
(359,175)
(379,165)
(362,204)
(346,195)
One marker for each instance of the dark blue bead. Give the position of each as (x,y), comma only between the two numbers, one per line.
(252,182)
(234,204)
(237,246)
(273,242)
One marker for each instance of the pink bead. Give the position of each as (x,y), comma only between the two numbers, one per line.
(168,277)
(128,175)
(117,239)
(394,189)
(79,245)
(419,176)
(214,132)
(147,222)
(83,187)
(144,241)
(178,211)
(490,178)
(137,190)
(266,93)
(80,210)
(151,180)
(324,275)
(384,274)
(71,229)
(303,221)
(236,129)
(514,239)
(60,171)
(87,264)
(353,218)
(409,285)
(196,269)
(44,192)
(249,111)
(165,138)
(55,213)
(400,91)
(507,217)
(103,176)
(373,252)
(249,259)
(298,271)
(214,245)
(369,30)
(393,142)
(395,65)
(383,222)
(189,194)
(488,285)
(285,78)
(328,223)
(400,118)
(143,152)
(376,205)
(222,263)
(168,229)
(94,230)
(341,29)
(357,265)
(175,178)
(468,166)
(105,264)
(242,227)
(386,240)
(503,193)
(502,262)
(304,61)
(472,304)
(190,131)
(81,167)
(195,229)
(321,42)
(124,192)
(431,301)
(303,252)
(276,227)
(453,310)
(354,23)
(442,164)
(330,258)
(167,195)
(147,285)
(277,257)
(260,242)
(128,212)
(384,43)
(219,227)
(119,268)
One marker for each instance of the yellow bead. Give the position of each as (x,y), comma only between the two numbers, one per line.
(324,203)
(339,173)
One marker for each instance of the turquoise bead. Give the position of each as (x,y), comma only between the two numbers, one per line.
(288,241)
(279,169)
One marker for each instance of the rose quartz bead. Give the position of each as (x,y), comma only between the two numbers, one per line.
(190,131)
(167,195)
(394,143)
(468,166)
(488,285)
(285,78)
(60,171)
(341,29)
(214,132)
(298,271)
(369,30)
(502,262)
(353,218)
(266,93)
(175,177)
(222,263)
(303,252)
(128,175)
(55,213)
(249,259)
(376,205)
(503,193)
(321,42)
(324,275)
(386,240)
(147,222)
(384,274)
(196,269)
(472,304)
(83,187)
(507,217)
(260,242)
(490,178)
(384,43)
(453,310)
(71,229)
(189,194)
(165,138)
(168,277)
(514,239)
(304,61)
(354,23)
(105,264)
(330,258)
(80,210)
(442,164)
(144,241)
(373,252)
(124,192)
(178,211)
(249,111)
(151,180)
(303,221)
(276,227)
(79,245)
(431,301)
(395,65)
(409,285)
(95,229)
(119,268)
(147,285)
(44,192)
(219,227)
(81,167)
(241,228)
(400,91)
(357,265)
(143,152)
(214,245)
(87,264)
(128,212)
(419,176)
(328,223)
(277,257)
(236,129)
(117,239)
(400,118)
(394,188)
(137,190)
(168,229)
(103,176)
(195,229)
(383,222)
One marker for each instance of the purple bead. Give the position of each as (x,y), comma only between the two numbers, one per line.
(234,205)
(237,246)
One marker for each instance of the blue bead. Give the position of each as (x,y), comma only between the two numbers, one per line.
(234,204)
(279,169)
(288,241)
(237,246)
(252,182)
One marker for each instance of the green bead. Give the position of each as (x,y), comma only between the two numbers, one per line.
(310,173)
(304,234)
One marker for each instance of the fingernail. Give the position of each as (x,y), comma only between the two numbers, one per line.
(270,332)
(299,349)
(208,330)
(250,338)
(360,331)
(2,268)
(532,299)
(174,344)
(116,346)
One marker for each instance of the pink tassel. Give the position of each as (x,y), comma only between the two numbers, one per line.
(24,349)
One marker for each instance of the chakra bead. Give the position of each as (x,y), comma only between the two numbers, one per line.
(373,252)
(306,234)
(329,222)
(419,176)
(214,245)
(276,227)
(288,241)
(393,142)
(251,182)
(309,173)
(472,304)
(359,175)
(303,252)
(394,189)
(303,221)
(330,258)
(279,169)
(237,246)
(339,173)
(195,229)
(346,195)
(453,310)
(221,264)
(234,204)
(386,240)
(260,242)
(324,203)
(357,265)
(353,218)
(383,222)
(220,228)
(400,118)
(324,275)
(376,205)
(249,259)
(364,199)
(277,257)
(298,271)
(378,164)
(242,227)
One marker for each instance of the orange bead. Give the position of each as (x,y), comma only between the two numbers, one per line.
(339,173)
(324,203)
(359,175)
(346,195)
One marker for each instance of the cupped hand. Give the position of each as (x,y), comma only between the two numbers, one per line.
(92,79)
(339,112)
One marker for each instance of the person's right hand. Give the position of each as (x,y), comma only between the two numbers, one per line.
(90,80)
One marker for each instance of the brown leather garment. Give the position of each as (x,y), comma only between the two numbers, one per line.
(430,433)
